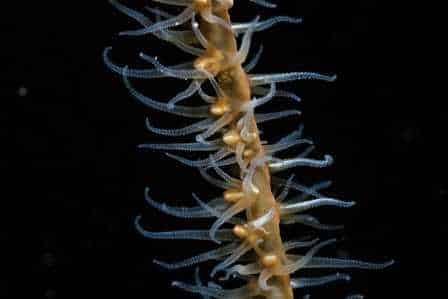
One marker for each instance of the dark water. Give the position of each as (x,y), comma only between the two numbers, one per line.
(74,181)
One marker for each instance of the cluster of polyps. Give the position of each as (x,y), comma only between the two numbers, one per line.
(229,131)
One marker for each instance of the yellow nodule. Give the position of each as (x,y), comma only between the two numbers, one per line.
(269,260)
(233,196)
(240,231)
(231,137)
(250,137)
(253,239)
(220,107)
(248,153)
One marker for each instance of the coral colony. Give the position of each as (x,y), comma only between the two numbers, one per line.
(248,218)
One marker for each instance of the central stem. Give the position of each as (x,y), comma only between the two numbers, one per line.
(234,83)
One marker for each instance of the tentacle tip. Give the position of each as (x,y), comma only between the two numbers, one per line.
(141,54)
(171,156)
(212,235)
(343,276)
(161,264)
(389,263)
(215,240)
(199,138)
(329,159)
(137,224)
(157,262)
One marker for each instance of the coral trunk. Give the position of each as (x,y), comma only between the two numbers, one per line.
(235,84)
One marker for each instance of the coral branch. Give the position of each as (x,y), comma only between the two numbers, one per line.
(228,132)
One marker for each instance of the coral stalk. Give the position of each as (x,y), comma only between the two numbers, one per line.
(230,131)
(234,82)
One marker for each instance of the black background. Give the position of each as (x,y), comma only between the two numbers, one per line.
(74,180)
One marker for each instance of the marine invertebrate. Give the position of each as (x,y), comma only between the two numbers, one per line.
(236,160)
